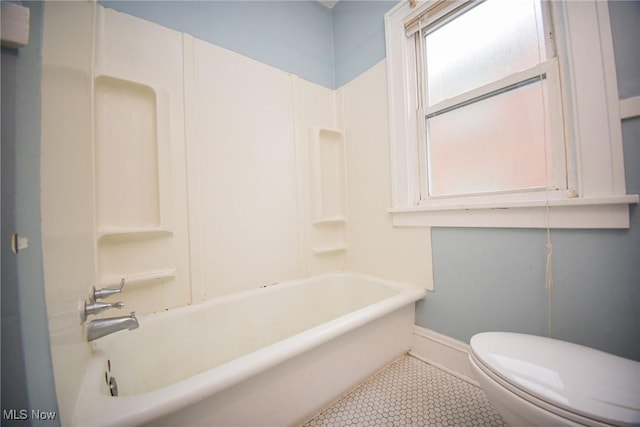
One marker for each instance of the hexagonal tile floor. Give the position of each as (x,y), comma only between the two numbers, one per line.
(410,392)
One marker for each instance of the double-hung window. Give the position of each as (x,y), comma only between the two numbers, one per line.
(492,114)
(486,110)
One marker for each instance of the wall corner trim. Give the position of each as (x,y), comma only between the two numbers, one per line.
(15,25)
(630,108)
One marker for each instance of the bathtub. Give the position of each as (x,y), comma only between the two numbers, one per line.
(270,356)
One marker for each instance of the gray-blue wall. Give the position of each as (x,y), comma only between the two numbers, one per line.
(326,46)
(358,34)
(294,36)
(27,371)
(14,390)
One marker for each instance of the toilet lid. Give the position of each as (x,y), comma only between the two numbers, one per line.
(578,379)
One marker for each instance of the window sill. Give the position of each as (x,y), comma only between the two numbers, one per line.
(576,213)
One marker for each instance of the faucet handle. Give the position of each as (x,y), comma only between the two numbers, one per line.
(97,307)
(97,294)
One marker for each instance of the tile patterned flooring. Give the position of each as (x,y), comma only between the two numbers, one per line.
(410,392)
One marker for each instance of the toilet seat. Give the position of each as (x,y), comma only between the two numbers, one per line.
(576,382)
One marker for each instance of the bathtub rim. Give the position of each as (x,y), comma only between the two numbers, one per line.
(214,301)
(98,409)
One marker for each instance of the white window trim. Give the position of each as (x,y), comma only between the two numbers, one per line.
(595,173)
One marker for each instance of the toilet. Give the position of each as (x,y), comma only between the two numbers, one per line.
(537,381)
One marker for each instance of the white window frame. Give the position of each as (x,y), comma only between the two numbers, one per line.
(596,193)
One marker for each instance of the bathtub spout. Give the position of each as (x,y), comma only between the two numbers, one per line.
(101,327)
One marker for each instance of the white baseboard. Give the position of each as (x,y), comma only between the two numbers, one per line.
(443,352)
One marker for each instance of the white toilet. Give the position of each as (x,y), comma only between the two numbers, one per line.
(540,381)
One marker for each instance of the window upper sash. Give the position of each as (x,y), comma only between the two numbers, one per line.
(512,81)
(437,13)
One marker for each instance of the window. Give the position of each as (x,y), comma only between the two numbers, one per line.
(492,115)
(498,85)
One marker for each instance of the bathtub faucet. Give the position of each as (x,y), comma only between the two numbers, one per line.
(97,294)
(96,308)
(93,306)
(101,327)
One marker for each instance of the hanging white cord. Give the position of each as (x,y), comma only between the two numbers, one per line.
(548,267)
(548,273)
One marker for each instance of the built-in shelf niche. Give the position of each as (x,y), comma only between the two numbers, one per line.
(132,179)
(328,175)
(131,156)
(328,191)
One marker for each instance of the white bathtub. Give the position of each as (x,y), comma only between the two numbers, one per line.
(270,356)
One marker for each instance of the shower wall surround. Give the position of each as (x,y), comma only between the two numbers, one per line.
(142,232)
(248,145)
(199,171)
